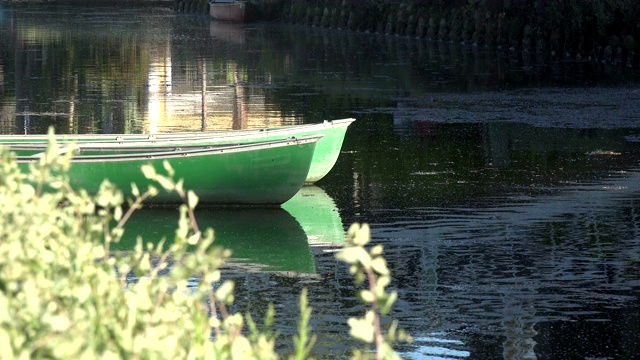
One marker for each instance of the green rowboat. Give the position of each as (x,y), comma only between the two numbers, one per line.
(265,173)
(325,156)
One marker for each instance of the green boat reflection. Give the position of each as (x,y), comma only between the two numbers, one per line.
(260,239)
(318,215)
(263,239)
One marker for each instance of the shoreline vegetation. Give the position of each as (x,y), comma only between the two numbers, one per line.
(600,30)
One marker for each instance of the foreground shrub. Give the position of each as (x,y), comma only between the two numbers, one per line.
(64,295)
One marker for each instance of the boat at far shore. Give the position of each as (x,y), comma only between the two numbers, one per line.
(232,10)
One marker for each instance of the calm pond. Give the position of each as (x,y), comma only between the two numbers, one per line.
(505,186)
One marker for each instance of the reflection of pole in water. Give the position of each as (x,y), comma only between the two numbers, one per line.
(240,107)
(27,119)
(159,84)
(72,106)
(202,71)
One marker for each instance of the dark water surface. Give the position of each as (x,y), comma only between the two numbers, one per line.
(505,186)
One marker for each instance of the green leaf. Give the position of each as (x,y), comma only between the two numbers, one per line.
(354,255)
(225,292)
(149,171)
(212,277)
(57,323)
(359,235)
(379,265)
(193,239)
(168,168)
(366,296)
(381,283)
(180,186)
(152,190)
(234,320)
(303,342)
(165,182)
(117,213)
(241,348)
(214,322)
(5,344)
(361,329)
(4,309)
(192,199)
(376,250)
(385,303)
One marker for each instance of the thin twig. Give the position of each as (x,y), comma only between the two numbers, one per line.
(371,277)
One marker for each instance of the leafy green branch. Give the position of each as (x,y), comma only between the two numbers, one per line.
(65,294)
(371,266)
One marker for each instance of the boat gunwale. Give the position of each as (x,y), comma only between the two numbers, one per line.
(122,140)
(201,151)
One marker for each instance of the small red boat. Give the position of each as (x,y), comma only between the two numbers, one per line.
(232,10)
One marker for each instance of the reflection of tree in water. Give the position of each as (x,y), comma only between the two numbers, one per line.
(75,83)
